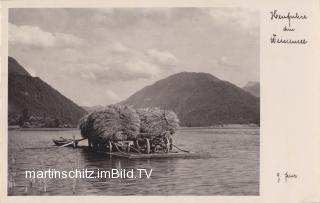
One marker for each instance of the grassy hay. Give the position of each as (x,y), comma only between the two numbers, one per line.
(156,121)
(114,122)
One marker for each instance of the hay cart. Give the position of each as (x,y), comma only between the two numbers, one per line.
(145,143)
(144,146)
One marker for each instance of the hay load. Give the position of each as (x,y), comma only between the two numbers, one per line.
(155,121)
(114,122)
(85,126)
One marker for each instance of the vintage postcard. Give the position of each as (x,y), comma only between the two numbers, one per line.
(160,101)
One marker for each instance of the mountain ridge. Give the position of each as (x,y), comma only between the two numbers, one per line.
(33,101)
(16,68)
(199,99)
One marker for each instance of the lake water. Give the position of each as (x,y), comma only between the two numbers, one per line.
(232,167)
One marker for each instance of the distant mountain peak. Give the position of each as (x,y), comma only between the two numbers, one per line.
(92,108)
(199,99)
(253,87)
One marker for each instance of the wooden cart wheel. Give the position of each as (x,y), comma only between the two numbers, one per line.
(110,146)
(167,147)
(170,143)
(147,146)
(136,145)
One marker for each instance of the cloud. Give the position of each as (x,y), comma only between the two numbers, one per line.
(141,68)
(36,37)
(114,62)
(245,18)
(67,39)
(30,35)
(162,57)
(118,17)
(223,61)
(87,75)
(112,96)
(118,47)
(114,70)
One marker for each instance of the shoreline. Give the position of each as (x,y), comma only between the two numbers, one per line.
(227,127)
(42,129)
(181,128)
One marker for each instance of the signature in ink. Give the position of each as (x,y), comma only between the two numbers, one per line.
(286,176)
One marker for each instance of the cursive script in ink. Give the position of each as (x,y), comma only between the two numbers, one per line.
(279,40)
(288,16)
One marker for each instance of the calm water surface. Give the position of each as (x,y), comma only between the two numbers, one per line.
(231,169)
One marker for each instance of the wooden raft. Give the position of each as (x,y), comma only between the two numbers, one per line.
(62,142)
(155,155)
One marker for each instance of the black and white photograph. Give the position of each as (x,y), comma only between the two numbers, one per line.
(133,101)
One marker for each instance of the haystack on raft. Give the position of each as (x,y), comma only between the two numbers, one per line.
(156,122)
(122,123)
(114,122)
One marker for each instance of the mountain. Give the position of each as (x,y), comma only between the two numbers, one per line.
(16,68)
(92,108)
(199,99)
(253,88)
(33,101)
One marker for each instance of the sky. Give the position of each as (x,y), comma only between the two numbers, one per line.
(100,56)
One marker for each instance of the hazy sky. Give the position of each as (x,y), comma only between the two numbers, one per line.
(102,56)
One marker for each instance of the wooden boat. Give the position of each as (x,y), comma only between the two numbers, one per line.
(62,141)
(67,142)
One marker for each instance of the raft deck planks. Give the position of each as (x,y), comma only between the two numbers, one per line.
(155,155)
